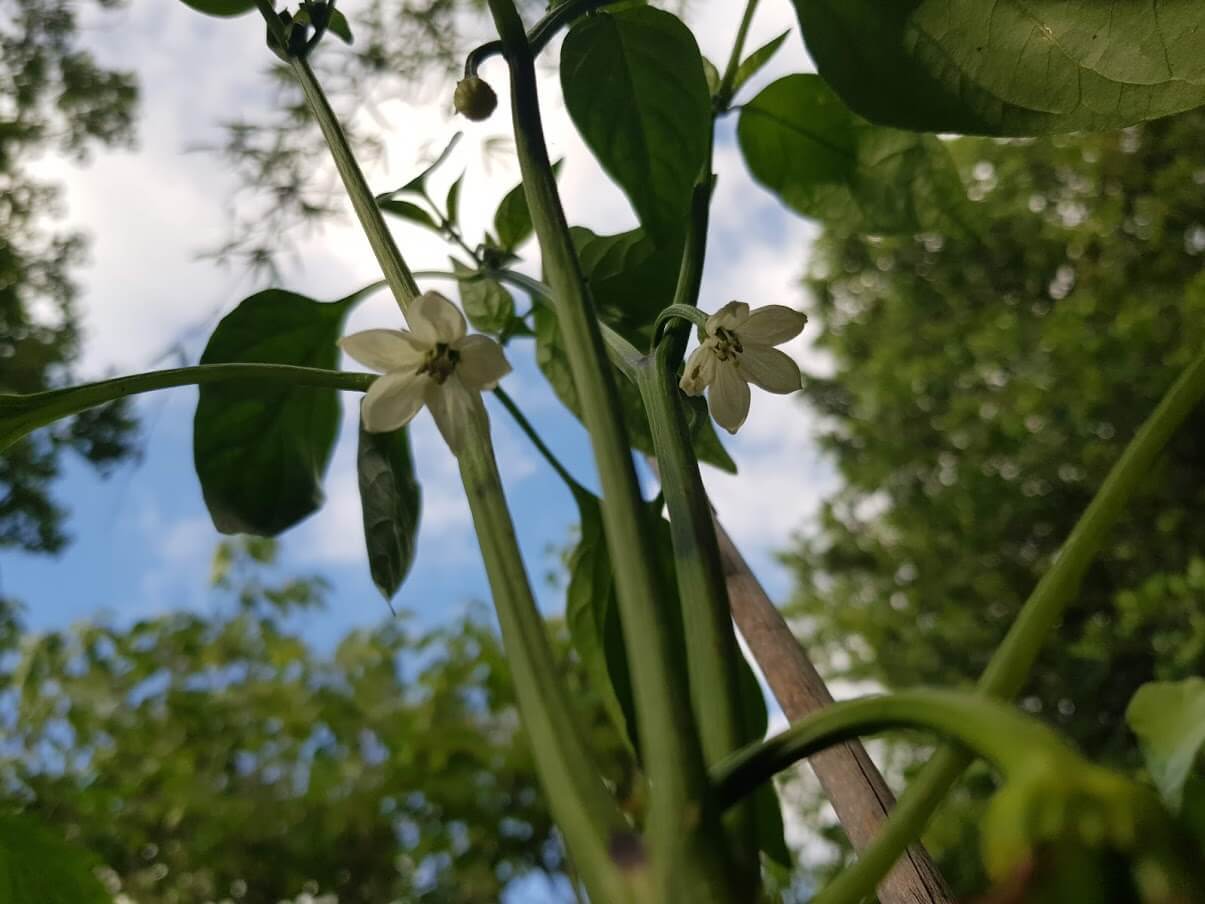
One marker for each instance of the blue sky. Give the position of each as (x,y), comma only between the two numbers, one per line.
(143,542)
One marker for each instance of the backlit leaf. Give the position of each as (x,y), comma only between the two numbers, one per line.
(391,503)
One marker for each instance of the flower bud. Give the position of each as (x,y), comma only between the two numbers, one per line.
(474,98)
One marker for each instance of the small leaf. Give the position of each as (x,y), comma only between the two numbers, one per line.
(512,221)
(418,185)
(592,615)
(1009,68)
(38,867)
(753,63)
(223,8)
(487,304)
(800,141)
(452,205)
(262,449)
(1169,719)
(636,90)
(408,211)
(391,503)
(713,77)
(338,26)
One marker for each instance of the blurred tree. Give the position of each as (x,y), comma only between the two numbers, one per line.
(979,390)
(206,758)
(54,97)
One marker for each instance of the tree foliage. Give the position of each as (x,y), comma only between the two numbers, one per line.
(228,756)
(54,97)
(980,389)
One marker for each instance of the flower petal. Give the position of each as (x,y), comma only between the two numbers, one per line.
(773,324)
(729,398)
(392,401)
(772,370)
(482,362)
(384,350)
(434,319)
(699,371)
(730,317)
(451,404)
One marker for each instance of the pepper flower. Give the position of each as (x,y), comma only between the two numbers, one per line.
(737,348)
(434,363)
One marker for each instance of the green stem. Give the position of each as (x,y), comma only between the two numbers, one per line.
(715,689)
(397,274)
(536,440)
(723,95)
(987,728)
(584,810)
(1010,665)
(539,35)
(689,855)
(22,414)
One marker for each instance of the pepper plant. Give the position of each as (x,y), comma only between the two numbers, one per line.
(612,323)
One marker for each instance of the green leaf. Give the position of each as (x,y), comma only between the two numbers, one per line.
(1169,719)
(452,205)
(712,74)
(753,63)
(38,867)
(631,277)
(222,8)
(391,502)
(409,211)
(487,304)
(592,615)
(418,185)
(1009,67)
(339,27)
(635,87)
(801,142)
(261,449)
(512,221)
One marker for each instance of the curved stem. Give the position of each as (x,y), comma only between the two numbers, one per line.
(22,414)
(1010,665)
(539,35)
(987,728)
(689,855)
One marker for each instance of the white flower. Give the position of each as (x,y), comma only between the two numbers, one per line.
(736,349)
(433,363)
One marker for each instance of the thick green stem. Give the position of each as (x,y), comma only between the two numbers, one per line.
(689,854)
(22,414)
(987,728)
(1010,665)
(584,810)
(587,814)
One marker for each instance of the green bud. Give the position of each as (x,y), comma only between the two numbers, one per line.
(474,98)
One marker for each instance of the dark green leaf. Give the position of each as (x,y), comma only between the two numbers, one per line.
(487,304)
(1009,68)
(452,205)
(261,450)
(408,211)
(753,63)
(512,221)
(39,867)
(391,502)
(1169,719)
(712,74)
(592,615)
(223,8)
(800,141)
(338,26)
(635,88)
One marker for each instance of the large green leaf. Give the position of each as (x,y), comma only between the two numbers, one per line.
(1009,67)
(800,141)
(391,502)
(261,449)
(635,88)
(1169,719)
(39,867)
(512,220)
(223,8)
(487,304)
